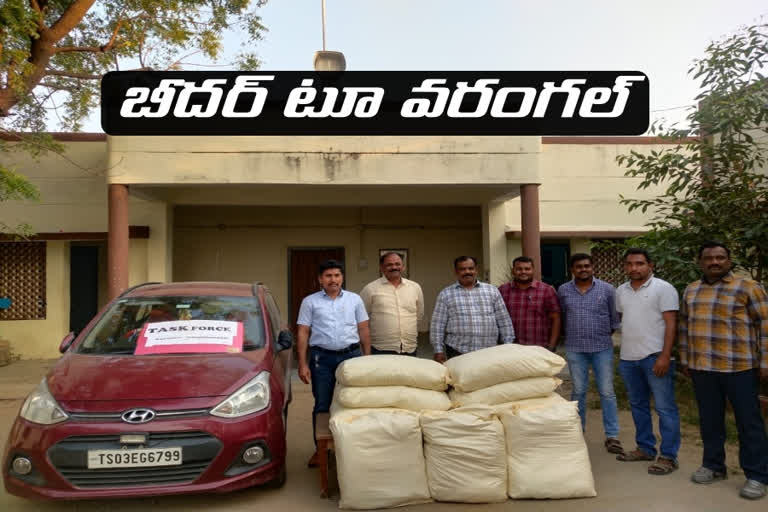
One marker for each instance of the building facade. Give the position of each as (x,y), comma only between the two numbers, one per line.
(119,211)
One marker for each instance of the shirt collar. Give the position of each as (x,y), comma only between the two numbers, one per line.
(341,292)
(727,278)
(645,284)
(534,284)
(384,280)
(458,284)
(594,282)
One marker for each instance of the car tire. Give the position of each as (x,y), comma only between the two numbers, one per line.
(278,482)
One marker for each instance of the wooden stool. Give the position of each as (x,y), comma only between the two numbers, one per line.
(324,445)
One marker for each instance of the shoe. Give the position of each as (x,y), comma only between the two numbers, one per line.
(314,460)
(752,490)
(707,476)
(613,445)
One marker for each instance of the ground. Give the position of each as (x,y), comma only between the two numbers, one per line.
(620,486)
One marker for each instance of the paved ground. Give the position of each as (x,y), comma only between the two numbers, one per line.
(624,487)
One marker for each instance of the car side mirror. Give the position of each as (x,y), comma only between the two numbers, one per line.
(284,340)
(66,342)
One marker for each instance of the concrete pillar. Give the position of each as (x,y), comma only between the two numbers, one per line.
(495,262)
(117,241)
(531,233)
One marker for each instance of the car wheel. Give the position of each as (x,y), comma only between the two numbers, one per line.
(280,480)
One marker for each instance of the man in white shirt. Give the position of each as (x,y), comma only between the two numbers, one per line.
(649,315)
(395,306)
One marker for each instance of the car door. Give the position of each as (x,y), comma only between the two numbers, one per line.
(282,361)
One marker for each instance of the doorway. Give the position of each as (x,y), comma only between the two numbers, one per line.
(554,263)
(83,285)
(302,275)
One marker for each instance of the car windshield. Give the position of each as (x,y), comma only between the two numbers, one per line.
(117,331)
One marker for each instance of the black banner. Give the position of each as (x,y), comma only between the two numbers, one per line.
(375,103)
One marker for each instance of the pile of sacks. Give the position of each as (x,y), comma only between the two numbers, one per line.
(402,438)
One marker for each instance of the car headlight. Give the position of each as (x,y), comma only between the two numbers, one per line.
(252,397)
(40,407)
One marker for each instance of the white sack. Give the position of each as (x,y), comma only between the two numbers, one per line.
(506,391)
(379,458)
(502,363)
(393,370)
(400,397)
(530,403)
(546,453)
(466,459)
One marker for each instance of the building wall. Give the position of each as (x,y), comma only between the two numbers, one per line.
(252,243)
(73,199)
(34,339)
(580,188)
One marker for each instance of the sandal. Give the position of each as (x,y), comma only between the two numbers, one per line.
(634,455)
(613,445)
(662,466)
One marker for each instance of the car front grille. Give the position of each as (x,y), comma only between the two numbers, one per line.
(70,458)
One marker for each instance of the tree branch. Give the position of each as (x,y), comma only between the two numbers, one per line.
(70,18)
(67,74)
(93,49)
(40,21)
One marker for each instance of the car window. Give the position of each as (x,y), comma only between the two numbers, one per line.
(119,328)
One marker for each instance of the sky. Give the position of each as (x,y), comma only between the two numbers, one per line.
(659,38)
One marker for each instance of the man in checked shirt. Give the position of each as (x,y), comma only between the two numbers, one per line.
(469,315)
(532,305)
(589,310)
(724,348)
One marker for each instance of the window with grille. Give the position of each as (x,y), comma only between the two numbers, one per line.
(608,264)
(22,280)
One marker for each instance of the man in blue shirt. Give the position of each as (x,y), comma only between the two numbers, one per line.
(589,309)
(334,325)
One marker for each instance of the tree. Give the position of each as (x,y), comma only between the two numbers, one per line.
(715,180)
(53,54)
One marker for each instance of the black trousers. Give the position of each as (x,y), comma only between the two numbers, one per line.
(375,351)
(741,389)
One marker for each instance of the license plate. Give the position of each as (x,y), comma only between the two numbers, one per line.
(134,458)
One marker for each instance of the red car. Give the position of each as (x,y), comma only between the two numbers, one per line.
(106,422)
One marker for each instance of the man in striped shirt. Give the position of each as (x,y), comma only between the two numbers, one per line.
(469,315)
(724,348)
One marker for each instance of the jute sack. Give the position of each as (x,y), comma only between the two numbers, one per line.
(379,458)
(502,363)
(466,460)
(399,397)
(506,391)
(393,370)
(546,453)
(530,403)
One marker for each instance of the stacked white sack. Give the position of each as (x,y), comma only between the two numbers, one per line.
(392,381)
(504,373)
(465,454)
(530,403)
(380,458)
(546,453)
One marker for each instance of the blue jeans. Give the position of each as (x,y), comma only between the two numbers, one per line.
(641,383)
(741,389)
(602,366)
(322,366)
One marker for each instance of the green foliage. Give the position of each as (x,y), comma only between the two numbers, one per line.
(714,177)
(53,54)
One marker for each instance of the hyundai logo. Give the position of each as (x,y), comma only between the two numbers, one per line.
(138,416)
